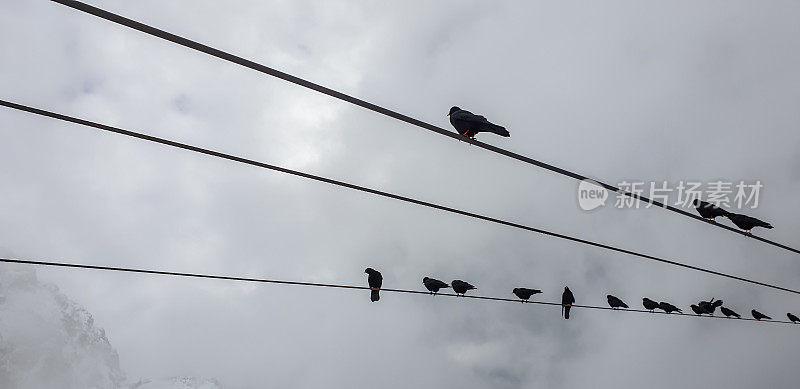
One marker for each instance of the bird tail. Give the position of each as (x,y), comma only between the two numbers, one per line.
(566,308)
(624,305)
(499,130)
(374,295)
(767,225)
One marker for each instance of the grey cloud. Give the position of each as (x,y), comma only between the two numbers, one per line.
(614,90)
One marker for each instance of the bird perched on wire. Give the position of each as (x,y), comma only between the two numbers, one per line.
(375,281)
(758,315)
(433,285)
(729,312)
(697,310)
(461,287)
(615,302)
(469,124)
(524,293)
(707,210)
(710,306)
(668,308)
(567,299)
(649,305)
(747,222)
(793,318)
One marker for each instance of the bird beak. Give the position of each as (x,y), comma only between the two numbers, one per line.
(447,114)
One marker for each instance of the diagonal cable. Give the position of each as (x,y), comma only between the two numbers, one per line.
(377,192)
(342,286)
(385,111)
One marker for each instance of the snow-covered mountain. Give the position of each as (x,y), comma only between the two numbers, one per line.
(49,341)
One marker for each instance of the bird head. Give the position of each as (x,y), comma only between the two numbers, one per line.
(452,110)
(369,270)
(515,290)
(696,202)
(425,279)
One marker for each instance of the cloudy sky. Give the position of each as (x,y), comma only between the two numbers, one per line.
(617,91)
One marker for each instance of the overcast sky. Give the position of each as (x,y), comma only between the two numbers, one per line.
(647,91)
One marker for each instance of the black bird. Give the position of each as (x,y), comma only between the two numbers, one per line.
(758,315)
(710,307)
(615,302)
(567,299)
(375,280)
(524,293)
(461,287)
(707,210)
(793,318)
(746,222)
(433,285)
(728,312)
(469,124)
(649,305)
(697,309)
(668,308)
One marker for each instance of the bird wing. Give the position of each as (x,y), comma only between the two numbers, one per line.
(469,116)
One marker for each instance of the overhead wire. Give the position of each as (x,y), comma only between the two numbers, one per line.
(387,112)
(344,286)
(377,192)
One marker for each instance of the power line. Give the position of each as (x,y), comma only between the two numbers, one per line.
(213,153)
(341,286)
(385,111)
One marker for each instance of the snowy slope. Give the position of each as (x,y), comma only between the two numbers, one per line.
(49,341)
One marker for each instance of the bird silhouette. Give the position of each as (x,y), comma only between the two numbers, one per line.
(729,312)
(668,308)
(461,287)
(710,307)
(615,302)
(758,315)
(524,293)
(746,222)
(375,281)
(567,299)
(433,285)
(707,210)
(649,305)
(793,318)
(469,124)
(697,309)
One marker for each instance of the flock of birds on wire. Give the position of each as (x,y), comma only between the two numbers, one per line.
(468,125)
(375,281)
